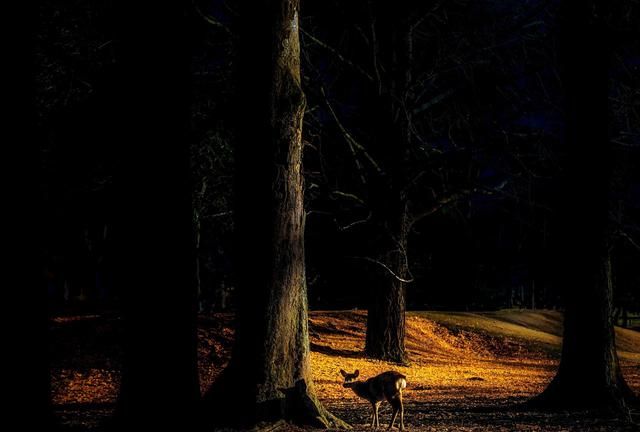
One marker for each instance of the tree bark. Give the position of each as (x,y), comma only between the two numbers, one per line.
(269,374)
(153,236)
(385,339)
(386,316)
(589,375)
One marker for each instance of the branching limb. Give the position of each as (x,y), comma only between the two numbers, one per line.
(433,101)
(349,196)
(210,19)
(218,215)
(356,223)
(630,239)
(336,53)
(384,266)
(439,206)
(351,141)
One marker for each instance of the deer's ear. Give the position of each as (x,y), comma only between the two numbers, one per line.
(356,373)
(344,374)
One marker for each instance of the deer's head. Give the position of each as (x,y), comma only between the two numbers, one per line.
(349,378)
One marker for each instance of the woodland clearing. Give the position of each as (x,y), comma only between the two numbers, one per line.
(468,371)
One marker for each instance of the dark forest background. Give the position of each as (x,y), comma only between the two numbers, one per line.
(460,155)
(486,138)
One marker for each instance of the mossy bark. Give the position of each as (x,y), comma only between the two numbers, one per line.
(269,377)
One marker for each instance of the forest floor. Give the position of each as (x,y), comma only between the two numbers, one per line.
(468,371)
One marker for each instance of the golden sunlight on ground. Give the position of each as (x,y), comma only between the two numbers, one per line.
(447,366)
(458,361)
(456,357)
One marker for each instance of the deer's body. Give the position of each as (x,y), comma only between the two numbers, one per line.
(387,385)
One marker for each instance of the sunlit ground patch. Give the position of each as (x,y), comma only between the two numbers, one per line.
(459,362)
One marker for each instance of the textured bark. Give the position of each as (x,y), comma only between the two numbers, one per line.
(152,234)
(385,339)
(386,317)
(269,375)
(589,375)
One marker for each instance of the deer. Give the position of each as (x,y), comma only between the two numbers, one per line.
(388,385)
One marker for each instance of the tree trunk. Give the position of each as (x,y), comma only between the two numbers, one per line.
(386,316)
(589,375)
(625,318)
(533,295)
(269,373)
(385,339)
(153,236)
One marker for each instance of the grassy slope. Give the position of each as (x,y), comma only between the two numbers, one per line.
(475,357)
(535,328)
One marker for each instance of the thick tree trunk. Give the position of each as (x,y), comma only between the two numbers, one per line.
(385,339)
(589,375)
(269,375)
(153,236)
(386,316)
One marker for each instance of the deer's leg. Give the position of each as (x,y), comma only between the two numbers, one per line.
(377,407)
(396,404)
(373,415)
(393,418)
(401,413)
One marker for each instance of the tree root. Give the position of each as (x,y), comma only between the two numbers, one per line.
(615,400)
(298,406)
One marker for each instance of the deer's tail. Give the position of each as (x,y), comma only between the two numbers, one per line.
(401,384)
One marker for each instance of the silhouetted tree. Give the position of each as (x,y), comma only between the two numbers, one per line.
(392,119)
(269,377)
(153,237)
(589,374)
(25,375)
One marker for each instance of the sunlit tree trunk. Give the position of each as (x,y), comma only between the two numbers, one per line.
(269,374)
(589,374)
(153,237)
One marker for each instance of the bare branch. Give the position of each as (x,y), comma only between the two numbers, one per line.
(429,13)
(630,239)
(348,195)
(336,53)
(384,266)
(433,101)
(209,19)
(217,215)
(374,48)
(439,206)
(353,224)
(349,138)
